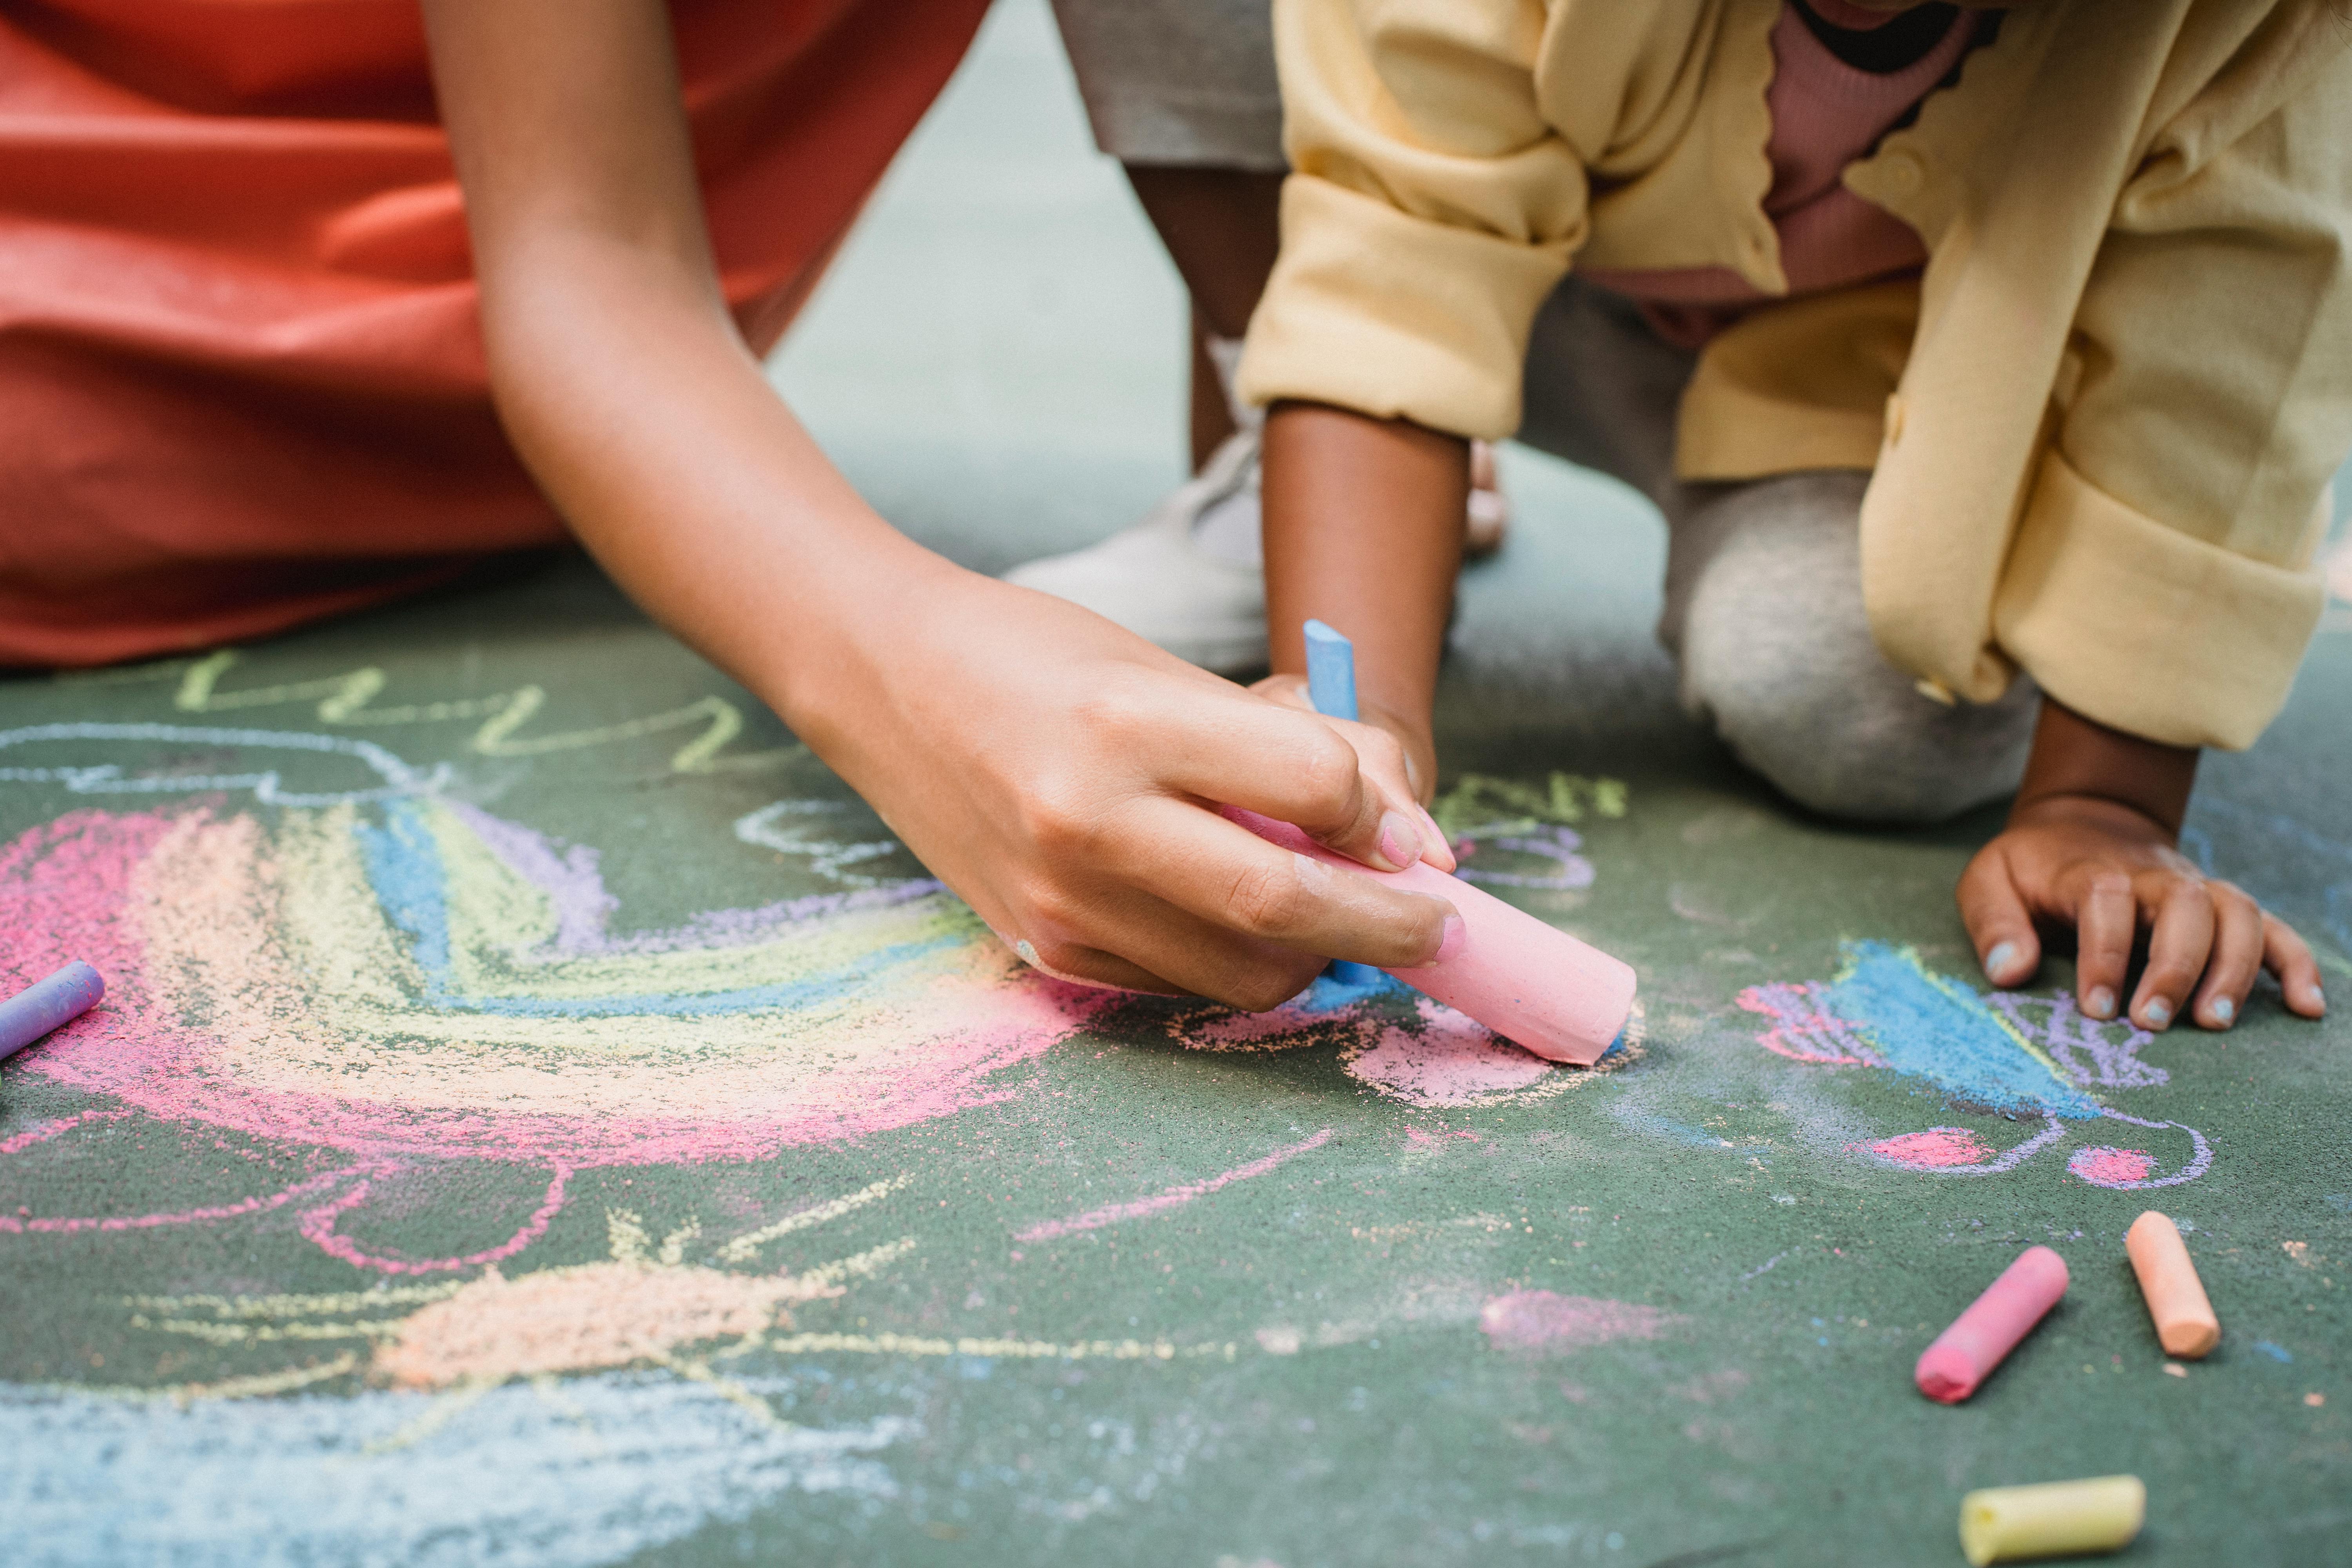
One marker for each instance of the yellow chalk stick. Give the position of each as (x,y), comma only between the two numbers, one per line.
(2058,1519)
(2185,1323)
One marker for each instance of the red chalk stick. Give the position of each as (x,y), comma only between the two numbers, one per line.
(1965,1354)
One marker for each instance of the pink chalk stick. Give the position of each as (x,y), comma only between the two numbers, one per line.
(1532,983)
(1965,1354)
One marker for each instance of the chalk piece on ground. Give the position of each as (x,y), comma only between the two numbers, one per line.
(2185,1323)
(1965,1354)
(2057,1519)
(47,1005)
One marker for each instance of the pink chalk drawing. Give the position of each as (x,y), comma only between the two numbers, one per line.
(1175,1197)
(386,981)
(2020,1056)
(1540,1322)
(1402,1046)
(1937,1148)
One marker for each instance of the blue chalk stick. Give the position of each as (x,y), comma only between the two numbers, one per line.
(47,1005)
(1330,672)
(1331,687)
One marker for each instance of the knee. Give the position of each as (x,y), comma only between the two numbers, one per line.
(1776,656)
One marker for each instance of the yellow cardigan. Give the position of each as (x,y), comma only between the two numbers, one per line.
(2100,424)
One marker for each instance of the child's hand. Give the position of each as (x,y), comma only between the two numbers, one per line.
(1062,775)
(2099,857)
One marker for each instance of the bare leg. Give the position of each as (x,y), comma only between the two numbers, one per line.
(1221,228)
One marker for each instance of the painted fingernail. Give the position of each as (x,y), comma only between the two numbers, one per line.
(2222,1010)
(2157,1012)
(1400,840)
(2100,1002)
(1998,961)
(1449,944)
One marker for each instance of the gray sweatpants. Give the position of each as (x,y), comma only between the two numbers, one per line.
(1763,610)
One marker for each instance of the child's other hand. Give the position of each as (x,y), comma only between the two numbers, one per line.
(1063,775)
(2110,871)
(1389,746)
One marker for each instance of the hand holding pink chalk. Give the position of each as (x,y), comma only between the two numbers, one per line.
(1965,1354)
(1532,983)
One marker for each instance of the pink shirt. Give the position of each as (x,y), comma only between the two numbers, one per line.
(1825,115)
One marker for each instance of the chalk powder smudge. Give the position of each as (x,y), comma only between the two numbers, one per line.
(1541,1322)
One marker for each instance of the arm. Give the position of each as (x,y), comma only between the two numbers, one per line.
(1363,530)
(1421,158)
(2160,589)
(1051,768)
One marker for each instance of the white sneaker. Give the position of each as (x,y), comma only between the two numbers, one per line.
(1190,577)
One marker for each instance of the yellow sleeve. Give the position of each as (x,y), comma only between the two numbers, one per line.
(1429,211)
(2161,580)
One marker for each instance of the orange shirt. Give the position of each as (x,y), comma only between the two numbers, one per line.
(241,373)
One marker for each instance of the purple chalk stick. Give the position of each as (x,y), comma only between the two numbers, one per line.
(47,1005)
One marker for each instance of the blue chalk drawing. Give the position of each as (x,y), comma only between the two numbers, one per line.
(2016,1056)
(566,1474)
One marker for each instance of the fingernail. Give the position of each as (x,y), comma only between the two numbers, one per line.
(1400,840)
(2157,1012)
(1437,839)
(2315,998)
(1998,961)
(2100,1002)
(1451,943)
(2223,1011)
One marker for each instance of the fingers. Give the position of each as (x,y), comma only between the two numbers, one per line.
(2178,943)
(1996,922)
(1188,957)
(2236,959)
(1346,791)
(2286,955)
(1235,889)
(2107,918)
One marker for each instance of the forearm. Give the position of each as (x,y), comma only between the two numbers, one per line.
(1363,530)
(2077,758)
(647,421)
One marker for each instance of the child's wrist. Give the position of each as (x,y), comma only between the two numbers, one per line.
(2079,758)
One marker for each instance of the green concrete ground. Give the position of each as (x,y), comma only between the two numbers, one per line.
(1355,1293)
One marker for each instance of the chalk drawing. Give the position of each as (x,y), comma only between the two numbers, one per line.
(2012,1055)
(394,979)
(1484,815)
(1540,1322)
(597,1469)
(1175,1197)
(347,699)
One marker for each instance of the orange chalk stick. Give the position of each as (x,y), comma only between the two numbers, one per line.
(2185,1323)
(1965,1354)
